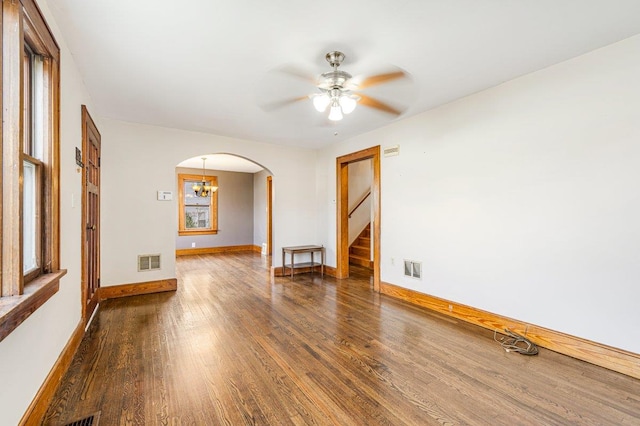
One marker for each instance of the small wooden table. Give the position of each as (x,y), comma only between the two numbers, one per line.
(302,249)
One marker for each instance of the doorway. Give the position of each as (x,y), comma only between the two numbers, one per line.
(342,220)
(90,215)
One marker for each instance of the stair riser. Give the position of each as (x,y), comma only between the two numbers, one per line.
(361,251)
(360,262)
(360,241)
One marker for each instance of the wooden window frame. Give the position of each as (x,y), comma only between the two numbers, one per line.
(213,213)
(22,24)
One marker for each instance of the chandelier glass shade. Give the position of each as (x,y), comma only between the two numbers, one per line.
(202,189)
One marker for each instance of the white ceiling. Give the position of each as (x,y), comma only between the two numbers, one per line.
(208,65)
(226,162)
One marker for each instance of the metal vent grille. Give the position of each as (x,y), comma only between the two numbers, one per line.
(391,151)
(413,269)
(91,420)
(148,262)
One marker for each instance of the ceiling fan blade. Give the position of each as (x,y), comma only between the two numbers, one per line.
(376,104)
(380,79)
(297,72)
(283,103)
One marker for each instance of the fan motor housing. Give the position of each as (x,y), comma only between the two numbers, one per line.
(333,79)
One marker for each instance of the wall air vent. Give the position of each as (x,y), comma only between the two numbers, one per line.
(148,262)
(413,269)
(392,151)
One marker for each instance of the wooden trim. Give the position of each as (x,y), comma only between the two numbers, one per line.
(276,271)
(213,250)
(12,94)
(38,407)
(342,199)
(595,353)
(53,155)
(377,209)
(137,289)
(14,310)
(38,28)
(342,220)
(269,215)
(213,206)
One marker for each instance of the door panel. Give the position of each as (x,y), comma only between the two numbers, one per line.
(91,215)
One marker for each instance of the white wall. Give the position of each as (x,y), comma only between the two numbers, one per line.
(260,207)
(138,160)
(235,211)
(29,352)
(360,179)
(521,200)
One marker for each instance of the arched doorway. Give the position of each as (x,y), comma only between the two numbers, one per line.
(243,201)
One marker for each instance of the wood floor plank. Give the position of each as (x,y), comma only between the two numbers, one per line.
(232,347)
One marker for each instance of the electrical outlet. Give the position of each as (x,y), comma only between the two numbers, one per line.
(450,308)
(193,245)
(393,261)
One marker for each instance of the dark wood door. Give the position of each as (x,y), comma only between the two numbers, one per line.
(91,215)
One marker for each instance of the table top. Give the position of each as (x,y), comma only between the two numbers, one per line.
(303,248)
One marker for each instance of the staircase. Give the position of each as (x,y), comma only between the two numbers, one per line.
(360,250)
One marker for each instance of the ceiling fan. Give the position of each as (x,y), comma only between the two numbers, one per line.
(340,92)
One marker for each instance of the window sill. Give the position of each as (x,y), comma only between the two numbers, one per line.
(15,309)
(198,232)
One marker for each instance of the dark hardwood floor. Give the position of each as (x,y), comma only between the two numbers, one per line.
(230,347)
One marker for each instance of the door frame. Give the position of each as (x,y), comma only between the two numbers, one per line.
(342,211)
(88,309)
(269,215)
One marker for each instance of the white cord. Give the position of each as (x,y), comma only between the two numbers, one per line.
(510,343)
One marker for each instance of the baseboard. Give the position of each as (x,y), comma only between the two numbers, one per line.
(213,250)
(136,289)
(276,271)
(595,353)
(38,407)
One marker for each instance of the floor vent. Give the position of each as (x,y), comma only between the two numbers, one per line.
(148,262)
(91,420)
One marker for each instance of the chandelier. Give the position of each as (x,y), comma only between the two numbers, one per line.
(202,189)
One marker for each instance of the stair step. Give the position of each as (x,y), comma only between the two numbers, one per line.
(359,260)
(360,251)
(363,241)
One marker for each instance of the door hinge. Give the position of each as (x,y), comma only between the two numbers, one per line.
(99,161)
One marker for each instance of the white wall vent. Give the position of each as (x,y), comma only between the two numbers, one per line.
(413,269)
(148,262)
(392,151)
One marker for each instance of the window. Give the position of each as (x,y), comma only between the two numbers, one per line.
(197,215)
(29,256)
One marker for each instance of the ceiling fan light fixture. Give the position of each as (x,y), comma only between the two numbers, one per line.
(348,103)
(321,101)
(335,114)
